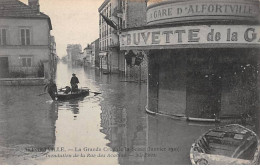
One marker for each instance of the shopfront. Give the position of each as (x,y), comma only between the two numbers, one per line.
(203,57)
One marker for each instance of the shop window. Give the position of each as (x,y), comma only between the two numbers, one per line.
(3,36)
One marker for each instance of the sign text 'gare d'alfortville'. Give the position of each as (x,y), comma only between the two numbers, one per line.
(189,35)
(196,10)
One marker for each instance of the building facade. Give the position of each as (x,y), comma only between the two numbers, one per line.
(24,40)
(95,61)
(74,56)
(108,36)
(133,15)
(203,57)
(87,55)
(54,55)
(124,14)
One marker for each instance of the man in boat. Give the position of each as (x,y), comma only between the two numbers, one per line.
(51,88)
(74,83)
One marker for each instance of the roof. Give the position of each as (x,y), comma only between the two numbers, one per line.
(103,5)
(88,47)
(17,9)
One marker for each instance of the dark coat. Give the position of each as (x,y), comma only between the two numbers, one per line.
(74,80)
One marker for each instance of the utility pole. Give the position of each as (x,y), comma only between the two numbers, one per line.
(258,98)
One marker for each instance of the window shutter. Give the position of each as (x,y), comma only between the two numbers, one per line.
(0,37)
(22,36)
(28,42)
(29,62)
(4,36)
(24,62)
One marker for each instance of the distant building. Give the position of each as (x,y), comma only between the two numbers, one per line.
(95,53)
(74,54)
(87,55)
(24,40)
(54,55)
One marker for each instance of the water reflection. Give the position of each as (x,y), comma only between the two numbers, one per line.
(114,122)
(26,121)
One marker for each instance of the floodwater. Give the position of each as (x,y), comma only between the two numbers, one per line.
(109,128)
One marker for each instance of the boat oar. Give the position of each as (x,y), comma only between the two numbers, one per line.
(96,93)
(42,94)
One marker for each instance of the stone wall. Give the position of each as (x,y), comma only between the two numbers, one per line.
(22,81)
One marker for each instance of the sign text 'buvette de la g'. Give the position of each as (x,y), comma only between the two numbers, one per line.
(233,35)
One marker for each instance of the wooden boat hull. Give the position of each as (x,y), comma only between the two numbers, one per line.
(80,93)
(228,145)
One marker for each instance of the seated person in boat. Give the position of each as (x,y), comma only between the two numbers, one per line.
(67,89)
(51,88)
(74,83)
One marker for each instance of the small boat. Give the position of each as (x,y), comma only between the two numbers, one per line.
(227,145)
(61,96)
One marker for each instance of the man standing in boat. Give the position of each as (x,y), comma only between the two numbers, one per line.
(74,83)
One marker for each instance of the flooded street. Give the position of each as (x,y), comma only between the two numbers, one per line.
(110,128)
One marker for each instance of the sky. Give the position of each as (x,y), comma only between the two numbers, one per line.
(73,21)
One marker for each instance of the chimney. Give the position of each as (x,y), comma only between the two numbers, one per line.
(34,4)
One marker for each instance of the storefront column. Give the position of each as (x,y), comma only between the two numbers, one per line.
(153,82)
(258,97)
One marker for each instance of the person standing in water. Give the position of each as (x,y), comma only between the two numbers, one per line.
(74,83)
(51,88)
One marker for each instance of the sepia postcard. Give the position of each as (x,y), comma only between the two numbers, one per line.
(129,82)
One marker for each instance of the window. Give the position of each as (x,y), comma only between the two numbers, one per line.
(120,22)
(25,37)
(109,10)
(3,36)
(124,26)
(26,61)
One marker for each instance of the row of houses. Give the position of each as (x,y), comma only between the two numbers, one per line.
(28,50)
(104,53)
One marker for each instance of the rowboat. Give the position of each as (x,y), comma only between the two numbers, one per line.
(227,145)
(61,96)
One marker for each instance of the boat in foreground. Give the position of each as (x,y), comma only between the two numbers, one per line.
(227,145)
(61,96)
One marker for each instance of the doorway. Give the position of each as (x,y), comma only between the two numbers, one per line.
(4,67)
(172,82)
(203,84)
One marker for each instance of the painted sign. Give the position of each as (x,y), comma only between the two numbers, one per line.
(202,9)
(185,36)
